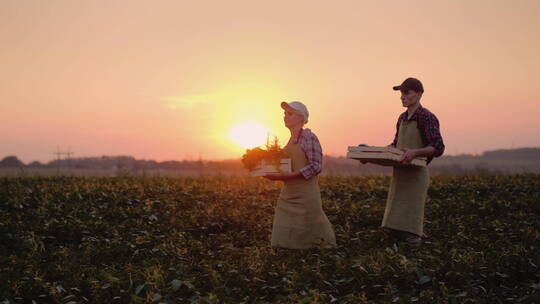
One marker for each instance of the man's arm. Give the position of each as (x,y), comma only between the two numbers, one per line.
(410,154)
(429,126)
(394,142)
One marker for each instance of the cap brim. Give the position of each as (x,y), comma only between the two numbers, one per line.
(285,105)
(397,88)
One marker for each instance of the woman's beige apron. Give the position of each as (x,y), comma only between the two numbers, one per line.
(408,190)
(299,220)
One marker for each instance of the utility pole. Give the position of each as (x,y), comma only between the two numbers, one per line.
(59,154)
(68,154)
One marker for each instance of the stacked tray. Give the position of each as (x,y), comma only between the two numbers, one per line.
(384,156)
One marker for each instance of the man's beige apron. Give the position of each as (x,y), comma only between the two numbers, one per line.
(299,220)
(408,190)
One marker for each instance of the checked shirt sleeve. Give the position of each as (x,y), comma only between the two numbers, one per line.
(394,143)
(432,134)
(313,150)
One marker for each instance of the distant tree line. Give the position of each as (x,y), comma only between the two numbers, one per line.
(127,163)
(513,160)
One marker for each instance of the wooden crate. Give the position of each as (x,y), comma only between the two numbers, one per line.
(384,156)
(285,166)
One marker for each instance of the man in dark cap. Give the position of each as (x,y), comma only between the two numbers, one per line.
(417,134)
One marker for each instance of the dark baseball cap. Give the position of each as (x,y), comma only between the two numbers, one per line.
(410,84)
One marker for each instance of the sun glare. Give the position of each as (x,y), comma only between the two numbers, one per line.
(248,135)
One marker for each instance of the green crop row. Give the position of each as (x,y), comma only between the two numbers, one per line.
(206,240)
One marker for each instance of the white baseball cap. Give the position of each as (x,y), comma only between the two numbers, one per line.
(296,106)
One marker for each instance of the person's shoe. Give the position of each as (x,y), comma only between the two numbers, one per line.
(413,241)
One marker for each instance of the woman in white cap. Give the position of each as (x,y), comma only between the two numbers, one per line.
(299,220)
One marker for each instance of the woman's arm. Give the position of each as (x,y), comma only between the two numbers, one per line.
(313,150)
(282,176)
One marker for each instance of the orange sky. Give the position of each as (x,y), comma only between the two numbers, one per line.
(168,79)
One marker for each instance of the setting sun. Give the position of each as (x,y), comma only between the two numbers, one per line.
(248,135)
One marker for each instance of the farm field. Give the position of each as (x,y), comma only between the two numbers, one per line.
(206,240)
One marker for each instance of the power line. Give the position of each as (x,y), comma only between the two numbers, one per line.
(59,155)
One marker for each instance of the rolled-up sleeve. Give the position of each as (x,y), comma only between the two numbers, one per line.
(432,134)
(313,150)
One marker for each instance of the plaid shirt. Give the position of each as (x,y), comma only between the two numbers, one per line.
(312,148)
(428,124)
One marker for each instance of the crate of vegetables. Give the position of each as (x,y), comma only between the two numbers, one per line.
(272,159)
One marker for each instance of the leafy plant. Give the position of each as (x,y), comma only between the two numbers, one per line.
(207,240)
(272,154)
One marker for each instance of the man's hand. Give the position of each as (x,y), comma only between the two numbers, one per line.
(408,155)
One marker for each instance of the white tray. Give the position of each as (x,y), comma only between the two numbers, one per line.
(285,166)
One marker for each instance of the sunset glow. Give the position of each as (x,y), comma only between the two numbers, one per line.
(248,135)
(154,81)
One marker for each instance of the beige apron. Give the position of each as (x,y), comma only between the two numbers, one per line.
(408,190)
(299,220)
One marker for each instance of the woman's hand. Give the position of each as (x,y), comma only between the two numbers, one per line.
(273,176)
(281,176)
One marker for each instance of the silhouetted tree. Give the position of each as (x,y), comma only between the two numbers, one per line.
(11,162)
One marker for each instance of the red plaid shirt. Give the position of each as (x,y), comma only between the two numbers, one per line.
(428,124)
(312,148)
